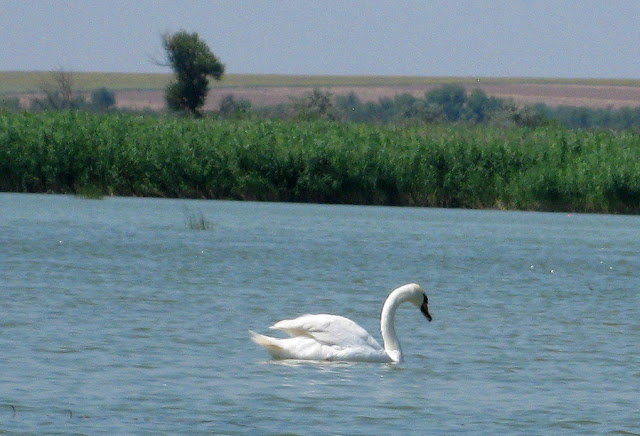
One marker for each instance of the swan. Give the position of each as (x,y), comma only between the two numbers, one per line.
(336,338)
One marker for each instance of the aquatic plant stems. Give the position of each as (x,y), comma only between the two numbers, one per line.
(546,168)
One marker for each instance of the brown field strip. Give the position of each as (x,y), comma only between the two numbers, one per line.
(142,91)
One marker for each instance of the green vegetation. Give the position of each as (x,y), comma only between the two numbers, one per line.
(445,103)
(448,103)
(103,99)
(436,106)
(587,118)
(471,166)
(10,103)
(192,62)
(60,94)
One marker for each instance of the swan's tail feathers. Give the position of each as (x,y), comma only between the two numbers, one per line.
(268,344)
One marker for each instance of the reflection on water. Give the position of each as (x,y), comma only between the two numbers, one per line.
(119,318)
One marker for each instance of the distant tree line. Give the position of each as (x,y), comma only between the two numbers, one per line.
(446,103)
(449,103)
(100,99)
(59,93)
(586,117)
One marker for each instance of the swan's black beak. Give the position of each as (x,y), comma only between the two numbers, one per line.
(424,308)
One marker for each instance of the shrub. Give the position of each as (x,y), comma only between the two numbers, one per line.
(103,99)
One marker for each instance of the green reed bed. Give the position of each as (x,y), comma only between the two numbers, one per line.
(548,168)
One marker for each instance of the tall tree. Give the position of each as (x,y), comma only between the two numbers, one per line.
(192,63)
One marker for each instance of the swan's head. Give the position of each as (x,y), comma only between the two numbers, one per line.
(419,298)
(424,308)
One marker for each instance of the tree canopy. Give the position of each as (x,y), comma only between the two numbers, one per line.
(192,62)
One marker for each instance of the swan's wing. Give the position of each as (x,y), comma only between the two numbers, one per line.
(331,330)
(308,348)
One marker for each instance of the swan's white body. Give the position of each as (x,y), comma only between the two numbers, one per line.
(336,338)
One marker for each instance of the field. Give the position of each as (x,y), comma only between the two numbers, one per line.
(547,168)
(145,91)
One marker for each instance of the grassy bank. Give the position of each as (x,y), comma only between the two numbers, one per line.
(548,168)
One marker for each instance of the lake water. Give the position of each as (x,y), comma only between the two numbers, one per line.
(116,317)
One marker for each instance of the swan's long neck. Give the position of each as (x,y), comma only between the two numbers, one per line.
(387,318)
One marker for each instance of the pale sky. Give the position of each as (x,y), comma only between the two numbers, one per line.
(483,38)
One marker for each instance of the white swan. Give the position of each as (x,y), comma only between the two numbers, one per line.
(336,338)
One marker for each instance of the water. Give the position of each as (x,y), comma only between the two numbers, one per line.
(118,318)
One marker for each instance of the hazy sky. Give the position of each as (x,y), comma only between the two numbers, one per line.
(507,38)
